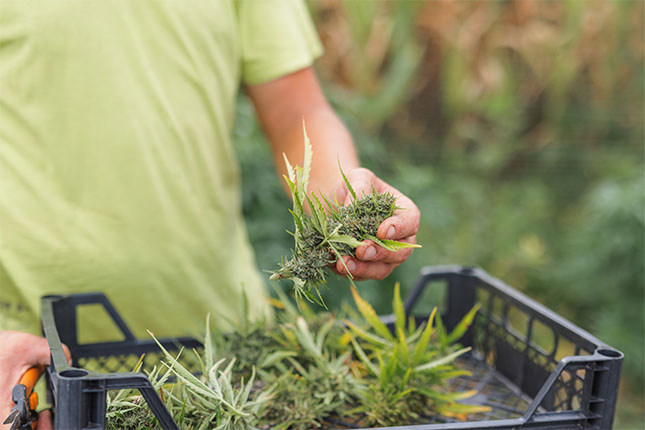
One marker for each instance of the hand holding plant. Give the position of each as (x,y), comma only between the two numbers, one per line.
(372,261)
(353,234)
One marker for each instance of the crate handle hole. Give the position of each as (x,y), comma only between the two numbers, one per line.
(74,373)
(609,353)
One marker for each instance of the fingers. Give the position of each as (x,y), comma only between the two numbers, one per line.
(403,224)
(27,348)
(361,270)
(370,252)
(373,261)
(45,420)
(18,352)
(68,354)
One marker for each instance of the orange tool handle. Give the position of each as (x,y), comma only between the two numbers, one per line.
(30,377)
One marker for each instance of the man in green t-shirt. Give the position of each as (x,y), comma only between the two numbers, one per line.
(117,172)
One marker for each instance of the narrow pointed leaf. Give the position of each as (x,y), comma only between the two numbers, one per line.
(208,344)
(443,360)
(290,171)
(412,324)
(403,346)
(391,245)
(346,239)
(306,165)
(370,316)
(363,357)
(397,305)
(349,186)
(462,326)
(422,345)
(370,337)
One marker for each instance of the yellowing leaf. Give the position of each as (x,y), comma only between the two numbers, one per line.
(275,303)
(370,316)
(345,339)
(397,304)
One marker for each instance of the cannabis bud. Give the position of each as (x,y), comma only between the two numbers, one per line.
(330,231)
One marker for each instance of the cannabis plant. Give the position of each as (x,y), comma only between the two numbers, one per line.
(310,370)
(409,372)
(327,230)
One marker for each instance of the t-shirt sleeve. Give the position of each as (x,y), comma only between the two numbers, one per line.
(277,38)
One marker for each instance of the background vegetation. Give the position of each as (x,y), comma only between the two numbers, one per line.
(517,128)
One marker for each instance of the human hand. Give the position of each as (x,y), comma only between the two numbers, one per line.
(19,352)
(373,261)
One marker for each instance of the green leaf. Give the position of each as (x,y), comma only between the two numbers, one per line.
(397,305)
(421,346)
(208,344)
(346,239)
(330,205)
(322,333)
(412,324)
(372,338)
(275,357)
(391,245)
(290,171)
(443,360)
(441,332)
(386,371)
(403,346)
(370,316)
(349,186)
(363,357)
(462,326)
(406,378)
(320,213)
(305,337)
(306,165)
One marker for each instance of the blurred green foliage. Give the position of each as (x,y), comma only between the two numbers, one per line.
(517,128)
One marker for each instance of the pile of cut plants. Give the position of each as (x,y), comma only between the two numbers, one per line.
(310,370)
(306,369)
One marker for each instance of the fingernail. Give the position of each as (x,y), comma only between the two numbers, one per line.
(351,266)
(390,232)
(369,253)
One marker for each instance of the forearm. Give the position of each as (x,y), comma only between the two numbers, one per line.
(282,105)
(331,144)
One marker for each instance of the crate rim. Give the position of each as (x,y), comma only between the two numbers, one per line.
(61,374)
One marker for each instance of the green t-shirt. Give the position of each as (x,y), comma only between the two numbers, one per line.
(117,173)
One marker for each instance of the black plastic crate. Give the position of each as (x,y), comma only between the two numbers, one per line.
(533,368)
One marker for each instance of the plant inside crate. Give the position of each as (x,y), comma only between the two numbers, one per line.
(310,370)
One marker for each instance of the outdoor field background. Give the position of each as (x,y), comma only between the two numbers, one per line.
(517,127)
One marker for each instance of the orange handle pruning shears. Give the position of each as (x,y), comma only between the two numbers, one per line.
(23,415)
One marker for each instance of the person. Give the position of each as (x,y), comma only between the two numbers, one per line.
(117,170)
